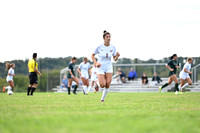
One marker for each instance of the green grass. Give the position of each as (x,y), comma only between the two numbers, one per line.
(121,113)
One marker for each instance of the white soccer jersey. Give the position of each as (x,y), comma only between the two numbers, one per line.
(84,67)
(105,53)
(94,74)
(11,71)
(187,66)
(94,70)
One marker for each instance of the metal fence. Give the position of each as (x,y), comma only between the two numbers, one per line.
(195,74)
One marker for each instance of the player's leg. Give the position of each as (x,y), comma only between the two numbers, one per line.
(182,81)
(29,89)
(35,83)
(174,78)
(30,84)
(102,80)
(166,84)
(92,84)
(33,88)
(11,84)
(189,82)
(108,77)
(84,85)
(77,84)
(88,85)
(69,85)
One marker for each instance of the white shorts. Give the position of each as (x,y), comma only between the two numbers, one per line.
(94,77)
(184,75)
(85,75)
(9,79)
(105,69)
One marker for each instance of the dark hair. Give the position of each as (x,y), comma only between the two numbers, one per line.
(34,55)
(105,33)
(85,58)
(74,58)
(9,65)
(172,57)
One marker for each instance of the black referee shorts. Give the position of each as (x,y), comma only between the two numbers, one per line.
(33,78)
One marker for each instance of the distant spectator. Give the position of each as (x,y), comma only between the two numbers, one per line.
(156,78)
(132,75)
(144,79)
(122,75)
(64,83)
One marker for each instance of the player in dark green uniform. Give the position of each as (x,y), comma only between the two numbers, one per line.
(71,75)
(172,65)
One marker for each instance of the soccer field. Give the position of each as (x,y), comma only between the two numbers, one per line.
(121,113)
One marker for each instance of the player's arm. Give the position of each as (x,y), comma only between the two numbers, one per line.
(94,60)
(79,71)
(169,67)
(90,71)
(11,74)
(185,70)
(38,72)
(115,58)
(177,67)
(70,72)
(35,69)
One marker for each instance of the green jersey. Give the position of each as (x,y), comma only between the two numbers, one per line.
(71,67)
(172,64)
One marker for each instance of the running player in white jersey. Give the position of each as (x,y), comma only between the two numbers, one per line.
(10,68)
(104,65)
(94,79)
(184,75)
(83,69)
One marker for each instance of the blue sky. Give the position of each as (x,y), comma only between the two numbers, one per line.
(139,29)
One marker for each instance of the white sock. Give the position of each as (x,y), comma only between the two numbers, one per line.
(179,87)
(85,89)
(89,88)
(185,85)
(7,87)
(105,92)
(98,83)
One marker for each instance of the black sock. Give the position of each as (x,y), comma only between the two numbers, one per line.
(176,87)
(32,90)
(75,88)
(165,85)
(28,91)
(69,89)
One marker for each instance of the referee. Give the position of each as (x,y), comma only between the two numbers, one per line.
(33,71)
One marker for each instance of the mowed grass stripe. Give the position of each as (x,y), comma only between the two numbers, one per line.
(121,112)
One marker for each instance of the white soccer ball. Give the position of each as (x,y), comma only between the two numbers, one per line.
(10,93)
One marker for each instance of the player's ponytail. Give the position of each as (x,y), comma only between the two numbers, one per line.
(172,57)
(8,66)
(105,33)
(73,58)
